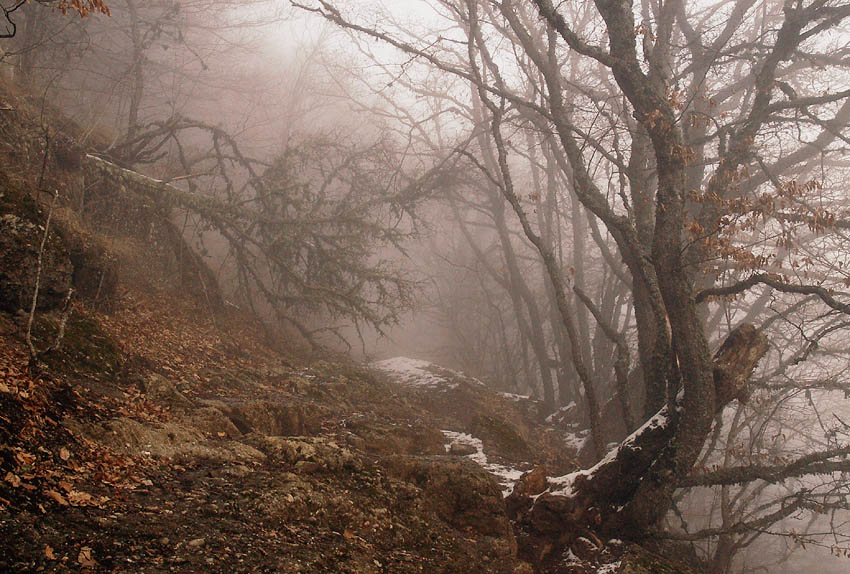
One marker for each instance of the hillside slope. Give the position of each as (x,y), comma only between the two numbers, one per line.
(166,433)
(173,446)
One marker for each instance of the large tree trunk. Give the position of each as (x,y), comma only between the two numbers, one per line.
(608,498)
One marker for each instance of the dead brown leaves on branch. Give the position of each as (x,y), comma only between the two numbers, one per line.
(786,205)
(84,7)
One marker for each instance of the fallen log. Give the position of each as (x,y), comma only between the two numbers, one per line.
(167,196)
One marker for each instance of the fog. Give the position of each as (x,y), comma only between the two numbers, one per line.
(572,202)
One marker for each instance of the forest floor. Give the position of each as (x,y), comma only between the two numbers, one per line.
(191,447)
(207,452)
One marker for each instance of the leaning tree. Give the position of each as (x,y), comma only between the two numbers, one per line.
(706,139)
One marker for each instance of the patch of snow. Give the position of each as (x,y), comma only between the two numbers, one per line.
(505,475)
(455,437)
(561,411)
(414,372)
(563,485)
(609,568)
(514,397)
(576,440)
(419,373)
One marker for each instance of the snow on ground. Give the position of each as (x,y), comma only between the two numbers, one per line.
(505,475)
(600,563)
(576,440)
(419,373)
(515,397)
(414,372)
(563,411)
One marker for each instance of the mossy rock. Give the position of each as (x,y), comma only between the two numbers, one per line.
(500,437)
(13,199)
(72,256)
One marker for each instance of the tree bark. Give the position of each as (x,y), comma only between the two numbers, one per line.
(608,497)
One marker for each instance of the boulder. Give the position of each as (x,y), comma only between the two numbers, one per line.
(462,493)
(502,436)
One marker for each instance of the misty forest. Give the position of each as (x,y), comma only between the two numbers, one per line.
(440,286)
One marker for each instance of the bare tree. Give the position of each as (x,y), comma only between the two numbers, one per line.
(305,231)
(698,136)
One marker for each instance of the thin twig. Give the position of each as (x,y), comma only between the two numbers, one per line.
(33,353)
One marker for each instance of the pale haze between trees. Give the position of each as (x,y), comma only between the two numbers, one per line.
(638,208)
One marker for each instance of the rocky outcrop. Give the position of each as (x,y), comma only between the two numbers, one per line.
(273,418)
(71,257)
(463,495)
(382,436)
(512,428)
(168,441)
(21,235)
(95,275)
(308,454)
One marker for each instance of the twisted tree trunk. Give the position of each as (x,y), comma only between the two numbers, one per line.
(612,497)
